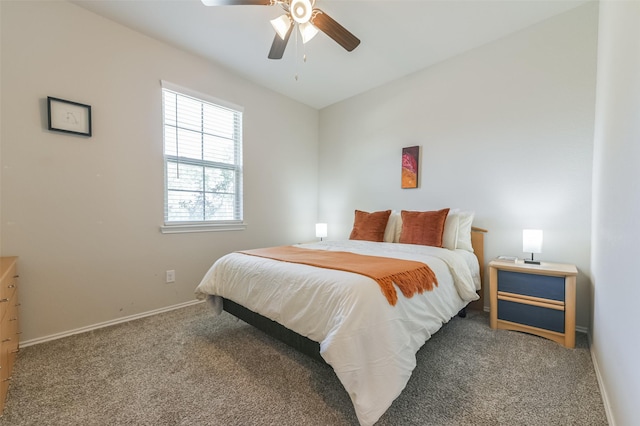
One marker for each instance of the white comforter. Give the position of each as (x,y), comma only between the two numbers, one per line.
(370,344)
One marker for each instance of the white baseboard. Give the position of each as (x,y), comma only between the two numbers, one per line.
(56,336)
(603,391)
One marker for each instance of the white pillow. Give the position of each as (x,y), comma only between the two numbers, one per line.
(465,219)
(390,230)
(450,234)
(398,231)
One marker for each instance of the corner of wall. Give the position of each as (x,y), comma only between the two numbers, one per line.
(603,390)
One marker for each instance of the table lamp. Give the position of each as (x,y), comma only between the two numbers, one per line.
(532,243)
(321,230)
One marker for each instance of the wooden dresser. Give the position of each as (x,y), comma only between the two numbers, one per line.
(8,322)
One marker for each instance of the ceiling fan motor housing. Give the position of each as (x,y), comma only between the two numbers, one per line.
(301,10)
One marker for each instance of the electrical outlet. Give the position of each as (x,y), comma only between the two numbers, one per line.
(171,276)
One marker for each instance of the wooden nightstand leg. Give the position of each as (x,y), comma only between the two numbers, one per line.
(493,297)
(570,312)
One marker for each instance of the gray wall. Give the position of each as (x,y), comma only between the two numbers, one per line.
(506,130)
(84,214)
(616,209)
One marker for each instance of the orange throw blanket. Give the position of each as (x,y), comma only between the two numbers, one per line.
(410,276)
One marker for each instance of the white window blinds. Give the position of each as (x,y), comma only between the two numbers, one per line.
(203,158)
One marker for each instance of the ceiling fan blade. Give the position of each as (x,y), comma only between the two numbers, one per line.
(337,32)
(278,45)
(236,2)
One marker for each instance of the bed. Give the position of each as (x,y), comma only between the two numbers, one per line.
(342,318)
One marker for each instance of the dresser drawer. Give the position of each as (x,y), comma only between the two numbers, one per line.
(4,360)
(534,316)
(9,282)
(542,286)
(9,335)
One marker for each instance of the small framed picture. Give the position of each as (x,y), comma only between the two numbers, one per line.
(410,166)
(69,117)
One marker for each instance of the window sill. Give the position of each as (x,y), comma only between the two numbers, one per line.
(202,227)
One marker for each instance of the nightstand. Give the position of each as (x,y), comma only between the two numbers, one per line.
(535,299)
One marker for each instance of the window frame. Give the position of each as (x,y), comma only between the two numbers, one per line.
(170,227)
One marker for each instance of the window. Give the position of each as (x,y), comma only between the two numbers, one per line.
(203,162)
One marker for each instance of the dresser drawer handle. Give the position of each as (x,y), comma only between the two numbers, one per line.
(4,300)
(16,276)
(7,379)
(11,286)
(8,339)
(13,319)
(15,351)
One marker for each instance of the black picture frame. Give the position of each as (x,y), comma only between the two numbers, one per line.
(68,116)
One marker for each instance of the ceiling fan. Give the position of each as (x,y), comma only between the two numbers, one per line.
(300,13)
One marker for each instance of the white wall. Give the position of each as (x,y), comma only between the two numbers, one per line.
(505,130)
(616,209)
(84,214)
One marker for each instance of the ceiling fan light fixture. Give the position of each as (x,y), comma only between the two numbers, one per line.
(307,31)
(301,10)
(281,24)
(301,14)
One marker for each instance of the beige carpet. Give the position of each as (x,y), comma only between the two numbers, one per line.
(187,367)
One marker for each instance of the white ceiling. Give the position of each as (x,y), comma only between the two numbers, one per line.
(398,37)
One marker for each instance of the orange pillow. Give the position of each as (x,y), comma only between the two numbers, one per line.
(424,228)
(370,226)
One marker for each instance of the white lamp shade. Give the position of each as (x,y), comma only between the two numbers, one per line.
(281,24)
(307,31)
(532,240)
(321,230)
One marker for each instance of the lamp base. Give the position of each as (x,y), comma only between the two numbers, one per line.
(532,262)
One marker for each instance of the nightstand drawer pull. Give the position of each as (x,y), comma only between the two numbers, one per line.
(534,316)
(528,300)
(4,300)
(542,286)
(11,286)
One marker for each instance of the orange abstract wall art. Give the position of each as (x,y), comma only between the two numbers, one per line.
(410,164)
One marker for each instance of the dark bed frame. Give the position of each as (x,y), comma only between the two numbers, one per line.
(274,329)
(312,348)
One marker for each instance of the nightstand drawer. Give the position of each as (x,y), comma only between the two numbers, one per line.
(534,316)
(542,286)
